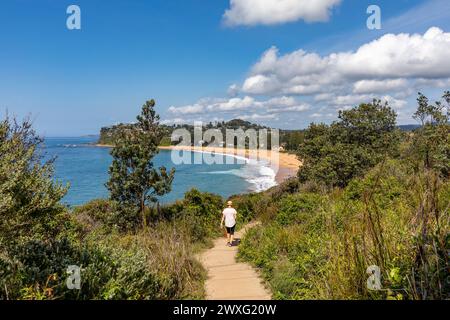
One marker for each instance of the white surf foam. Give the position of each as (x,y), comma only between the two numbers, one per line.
(265,180)
(256,172)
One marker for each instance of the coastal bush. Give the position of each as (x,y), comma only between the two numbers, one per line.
(156,265)
(36,269)
(29,198)
(333,155)
(395,215)
(119,259)
(96,213)
(30,208)
(430,144)
(107,215)
(166,247)
(315,242)
(201,214)
(261,205)
(140,267)
(391,218)
(248,206)
(293,208)
(291,257)
(198,212)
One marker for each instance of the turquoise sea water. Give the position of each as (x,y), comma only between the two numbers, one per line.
(85,168)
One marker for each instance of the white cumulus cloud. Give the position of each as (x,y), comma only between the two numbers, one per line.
(381,65)
(271,12)
(255,116)
(247,104)
(368,86)
(190,109)
(392,68)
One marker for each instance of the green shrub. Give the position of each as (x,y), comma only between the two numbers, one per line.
(361,138)
(99,211)
(29,197)
(38,269)
(295,208)
(319,245)
(202,213)
(115,267)
(248,206)
(257,246)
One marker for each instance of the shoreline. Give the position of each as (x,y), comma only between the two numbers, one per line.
(287,163)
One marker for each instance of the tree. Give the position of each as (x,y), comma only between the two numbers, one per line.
(431,142)
(361,138)
(134,182)
(429,153)
(291,139)
(29,198)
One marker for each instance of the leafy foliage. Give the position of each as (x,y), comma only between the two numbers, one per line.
(293,207)
(201,213)
(364,136)
(39,238)
(318,243)
(29,198)
(134,182)
(318,246)
(431,143)
(390,208)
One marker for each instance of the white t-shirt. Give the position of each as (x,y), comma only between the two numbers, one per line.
(230,217)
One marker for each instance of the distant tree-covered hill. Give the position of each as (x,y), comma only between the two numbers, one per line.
(289,139)
(409,127)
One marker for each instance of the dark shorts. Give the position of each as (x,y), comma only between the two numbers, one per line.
(231,230)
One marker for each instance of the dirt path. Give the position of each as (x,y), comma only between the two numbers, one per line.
(228,279)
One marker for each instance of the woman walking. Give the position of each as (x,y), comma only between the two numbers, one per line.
(229,217)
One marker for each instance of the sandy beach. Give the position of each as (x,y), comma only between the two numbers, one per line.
(287,163)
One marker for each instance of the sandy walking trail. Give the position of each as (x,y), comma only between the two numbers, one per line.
(228,279)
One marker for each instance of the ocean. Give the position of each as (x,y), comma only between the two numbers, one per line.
(85,168)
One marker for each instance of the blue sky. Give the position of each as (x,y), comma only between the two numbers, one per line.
(186,55)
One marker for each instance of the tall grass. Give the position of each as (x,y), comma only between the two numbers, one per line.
(118,258)
(318,245)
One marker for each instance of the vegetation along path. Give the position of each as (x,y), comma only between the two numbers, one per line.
(229,279)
